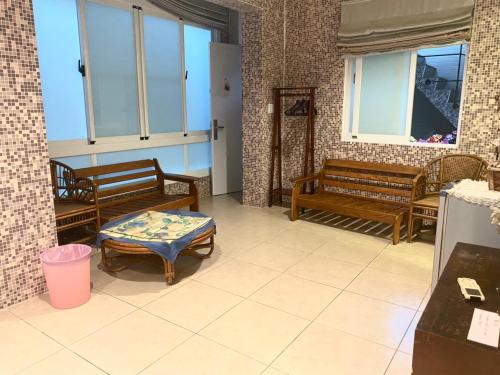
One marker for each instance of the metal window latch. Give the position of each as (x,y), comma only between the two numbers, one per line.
(81,68)
(186,75)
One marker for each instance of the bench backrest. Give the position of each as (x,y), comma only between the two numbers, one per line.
(390,182)
(123,179)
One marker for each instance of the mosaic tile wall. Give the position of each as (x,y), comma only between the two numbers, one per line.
(311,59)
(262,69)
(203,185)
(27,222)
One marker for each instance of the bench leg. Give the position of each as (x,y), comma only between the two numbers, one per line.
(169,271)
(294,214)
(411,221)
(397,230)
(193,191)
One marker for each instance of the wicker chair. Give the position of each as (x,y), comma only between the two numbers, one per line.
(439,172)
(70,211)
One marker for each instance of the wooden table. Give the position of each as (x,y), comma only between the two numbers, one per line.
(203,240)
(441,345)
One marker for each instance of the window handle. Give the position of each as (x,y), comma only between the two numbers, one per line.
(81,68)
(186,75)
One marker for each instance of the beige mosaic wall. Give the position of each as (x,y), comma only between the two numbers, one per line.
(262,69)
(27,222)
(311,59)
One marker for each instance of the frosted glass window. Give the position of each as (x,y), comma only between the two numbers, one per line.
(197,60)
(353,94)
(113,70)
(171,158)
(384,93)
(163,74)
(82,161)
(56,25)
(199,156)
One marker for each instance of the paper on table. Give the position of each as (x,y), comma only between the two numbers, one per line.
(485,328)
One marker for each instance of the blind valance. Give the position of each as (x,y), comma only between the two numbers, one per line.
(198,11)
(369,26)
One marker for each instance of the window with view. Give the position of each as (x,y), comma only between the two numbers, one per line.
(408,97)
(121,82)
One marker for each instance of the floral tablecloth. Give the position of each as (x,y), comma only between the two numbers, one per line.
(166,233)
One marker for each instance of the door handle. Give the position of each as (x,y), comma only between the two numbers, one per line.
(216,129)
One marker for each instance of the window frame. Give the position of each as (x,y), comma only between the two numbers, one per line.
(356,137)
(93,145)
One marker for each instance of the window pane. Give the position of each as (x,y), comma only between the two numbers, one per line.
(171,158)
(58,43)
(353,93)
(438,91)
(113,70)
(199,156)
(197,60)
(384,94)
(163,74)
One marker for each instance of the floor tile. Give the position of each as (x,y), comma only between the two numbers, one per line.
(238,277)
(408,341)
(403,260)
(70,325)
(22,345)
(193,306)
(400,365)
(63,363)
(130,344)
(138,285)
(296,296)
(322,350)
(374,320)
(273,256)
(399,289)
(425,301)
(229,242)
(200,356)
(273,371)
(326,270)
(255,330)
(298,238)
(351,249)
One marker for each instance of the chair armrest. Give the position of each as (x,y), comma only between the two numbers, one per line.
(419,187)
(85,189)
(180,178)
(304,179)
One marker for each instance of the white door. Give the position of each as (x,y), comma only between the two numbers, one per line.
(225,88)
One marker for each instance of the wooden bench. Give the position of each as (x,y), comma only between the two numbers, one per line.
(130,187)
(371,191)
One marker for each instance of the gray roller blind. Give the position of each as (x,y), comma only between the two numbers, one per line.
(199,11)
(385,25)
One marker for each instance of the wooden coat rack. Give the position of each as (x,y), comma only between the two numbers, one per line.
(308,95)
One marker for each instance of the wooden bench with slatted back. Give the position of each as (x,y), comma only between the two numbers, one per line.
(372,191)
(125,188)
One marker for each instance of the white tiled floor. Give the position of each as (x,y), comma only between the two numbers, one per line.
(277,297)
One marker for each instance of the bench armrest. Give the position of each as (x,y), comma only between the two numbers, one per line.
(179,178)
(304,179)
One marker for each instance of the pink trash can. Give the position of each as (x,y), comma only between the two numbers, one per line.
(67,272)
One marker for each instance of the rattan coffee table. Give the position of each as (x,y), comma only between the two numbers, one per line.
(203,240)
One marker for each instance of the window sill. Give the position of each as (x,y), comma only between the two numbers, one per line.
(401,143)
